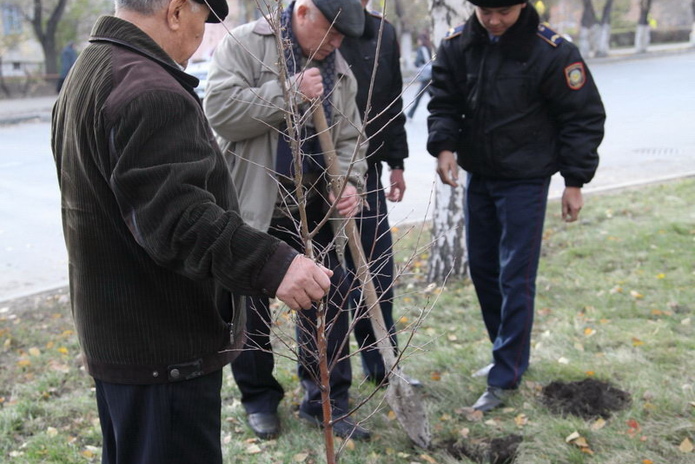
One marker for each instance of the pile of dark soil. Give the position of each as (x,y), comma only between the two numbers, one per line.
(588,398)
(496,451)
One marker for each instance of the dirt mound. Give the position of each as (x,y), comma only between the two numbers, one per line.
(496,451)
(588,398)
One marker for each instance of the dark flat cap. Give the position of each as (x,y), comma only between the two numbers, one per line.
(346,15)
(496,3)
(217,8)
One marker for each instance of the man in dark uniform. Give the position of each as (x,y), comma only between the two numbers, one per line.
(513,103)
(385,128)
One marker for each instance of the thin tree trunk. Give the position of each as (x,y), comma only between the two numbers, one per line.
(642,38)
(604,42)
(448,256)
(587,31)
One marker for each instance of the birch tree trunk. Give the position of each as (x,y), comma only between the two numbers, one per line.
(643,31)
(588,30)
(604,43)
(448,257)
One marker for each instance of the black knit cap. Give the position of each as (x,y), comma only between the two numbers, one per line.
(496,3)
(217,8)
(347,16)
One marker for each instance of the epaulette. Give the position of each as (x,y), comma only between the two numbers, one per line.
(454,31)
(378,15)
(549,35)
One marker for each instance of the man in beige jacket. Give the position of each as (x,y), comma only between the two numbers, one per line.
(246,105)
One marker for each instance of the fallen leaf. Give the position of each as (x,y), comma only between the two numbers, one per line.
(51,431)
(581,442)
(23,363)
(563,360)
(598,424)
(521,420)
(436,376)
(637,342)
(588,332)
(472,415)
(253,449)
(590,373)
(635,294)
(647,461)
(572,436)
(89,454)
(33,351)
(686,446)
(391,415)
(464,432)
(661,276)
(350,445)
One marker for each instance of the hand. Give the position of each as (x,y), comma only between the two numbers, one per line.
(397,189)
(349,203)
(309,83)
(572,203)
(304,283)
(447,168)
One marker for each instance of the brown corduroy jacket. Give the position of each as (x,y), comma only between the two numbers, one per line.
(157,249)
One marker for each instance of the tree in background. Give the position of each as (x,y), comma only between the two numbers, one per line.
(448,255)
(595,35)
(604,38)
(44,17)
(588,30)
(642,33)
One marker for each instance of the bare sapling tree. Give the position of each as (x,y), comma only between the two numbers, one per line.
(298,114)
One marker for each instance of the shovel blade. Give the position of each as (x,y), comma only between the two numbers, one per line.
(405,401)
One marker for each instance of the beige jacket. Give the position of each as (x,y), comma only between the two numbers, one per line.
(245,105)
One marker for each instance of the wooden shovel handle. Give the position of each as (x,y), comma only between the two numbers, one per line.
(355,244)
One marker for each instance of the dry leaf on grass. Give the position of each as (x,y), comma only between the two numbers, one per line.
(686,446)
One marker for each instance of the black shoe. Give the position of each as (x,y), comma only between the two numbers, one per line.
(344,428)
(265,425)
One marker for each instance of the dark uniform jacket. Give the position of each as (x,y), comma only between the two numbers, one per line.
(388,141)
(524,107)
(154,240)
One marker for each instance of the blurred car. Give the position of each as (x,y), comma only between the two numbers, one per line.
(199,69)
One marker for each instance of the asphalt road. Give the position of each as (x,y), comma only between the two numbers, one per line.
(649,136)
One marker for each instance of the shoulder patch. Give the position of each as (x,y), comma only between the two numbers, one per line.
(454,31)
(575,75)
(549,35)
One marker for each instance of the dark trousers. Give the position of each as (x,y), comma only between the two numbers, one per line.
(504,229)
(377,244)
(253,369)
(168,423)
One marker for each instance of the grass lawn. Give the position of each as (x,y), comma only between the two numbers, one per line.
(615,304)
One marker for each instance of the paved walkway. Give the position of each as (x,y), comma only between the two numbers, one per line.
(17,110)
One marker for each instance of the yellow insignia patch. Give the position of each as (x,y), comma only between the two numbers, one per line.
(575,75)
